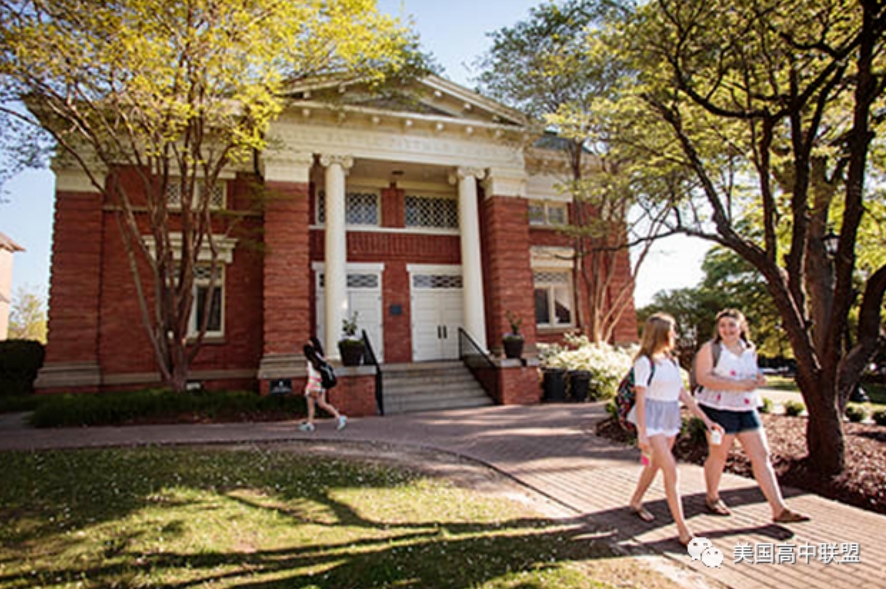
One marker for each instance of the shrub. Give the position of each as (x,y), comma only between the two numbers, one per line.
(695,429)
(856,413)
(880,417)
(159,405)
(19,362)
(767,405)
(612,409)
(793,408)
(607,364)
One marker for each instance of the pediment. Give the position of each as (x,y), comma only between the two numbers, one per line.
(431,97)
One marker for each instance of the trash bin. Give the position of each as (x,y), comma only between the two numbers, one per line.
(579,381)
(859,396)
(554,385)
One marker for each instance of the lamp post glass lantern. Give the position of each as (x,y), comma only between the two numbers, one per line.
(831,241)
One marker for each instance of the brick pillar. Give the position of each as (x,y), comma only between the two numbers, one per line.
(508,268)
(72,360)
(286,313)
(626,328)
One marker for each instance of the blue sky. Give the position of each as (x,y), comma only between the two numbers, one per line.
(455,32)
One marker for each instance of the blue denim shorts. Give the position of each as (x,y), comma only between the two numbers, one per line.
(734,422)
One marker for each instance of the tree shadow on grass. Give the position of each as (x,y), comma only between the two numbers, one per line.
(114,484)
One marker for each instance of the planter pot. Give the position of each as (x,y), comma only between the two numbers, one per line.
(351,352)
(513,347)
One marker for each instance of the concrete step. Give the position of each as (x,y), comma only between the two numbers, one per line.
(429,404)
(430,383)
(430,386)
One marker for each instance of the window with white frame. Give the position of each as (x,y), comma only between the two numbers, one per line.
(361,208)
(547,214)
(431,211)
(553,298)
(217,195)
(213,306)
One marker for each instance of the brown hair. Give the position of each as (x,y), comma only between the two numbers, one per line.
(744,334)
(656,334)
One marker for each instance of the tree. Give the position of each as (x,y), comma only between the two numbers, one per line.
(170,93)
(728,281)
(553,67)
(771,109)
(27,316)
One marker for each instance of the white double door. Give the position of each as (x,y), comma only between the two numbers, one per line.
(437,312)
(364,297)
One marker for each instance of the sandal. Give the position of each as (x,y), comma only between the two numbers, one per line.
(643,513)
(790,517)
(717,507)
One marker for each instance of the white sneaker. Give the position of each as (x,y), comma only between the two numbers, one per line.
(342,422)
(306,427)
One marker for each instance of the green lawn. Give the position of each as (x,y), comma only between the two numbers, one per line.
(254,516)
(877,392)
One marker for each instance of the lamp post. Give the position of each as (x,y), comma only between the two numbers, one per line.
(831,242)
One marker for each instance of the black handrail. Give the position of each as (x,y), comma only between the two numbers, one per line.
(370,359)
(479,362)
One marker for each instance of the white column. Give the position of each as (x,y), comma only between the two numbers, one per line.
(336,257)
(471,264)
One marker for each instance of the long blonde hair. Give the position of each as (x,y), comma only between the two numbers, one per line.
(656,335)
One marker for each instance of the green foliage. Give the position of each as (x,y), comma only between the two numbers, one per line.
(27,316)
(856,413)
(185,93)
(767,405)
(880,417)
(695,429)
(607,364)
(19,362)
(728,281)
(793,408)
(612,409)
(515,321)
(160,405)
(349,326)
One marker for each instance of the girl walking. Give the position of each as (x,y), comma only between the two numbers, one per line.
(315,394)
(729,397)
(659,390)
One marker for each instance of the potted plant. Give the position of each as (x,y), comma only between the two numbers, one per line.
(513,341)
(350,346)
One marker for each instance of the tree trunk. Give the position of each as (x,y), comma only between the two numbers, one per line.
(824,427)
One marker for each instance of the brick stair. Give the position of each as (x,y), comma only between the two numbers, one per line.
(430,386)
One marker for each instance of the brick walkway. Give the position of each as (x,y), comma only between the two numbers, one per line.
(551,450)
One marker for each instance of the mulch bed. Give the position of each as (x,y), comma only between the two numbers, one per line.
(862,483)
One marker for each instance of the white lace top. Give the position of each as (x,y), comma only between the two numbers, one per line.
(736,367)
(666,381)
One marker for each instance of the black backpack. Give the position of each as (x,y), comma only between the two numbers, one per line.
(327,375)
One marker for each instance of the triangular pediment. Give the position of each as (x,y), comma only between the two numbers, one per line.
(430,97)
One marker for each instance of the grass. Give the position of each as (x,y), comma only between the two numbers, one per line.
(876,391)
(225,517)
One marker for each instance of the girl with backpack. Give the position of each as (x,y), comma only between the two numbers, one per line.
(728,396)
(315,394)
(659,390)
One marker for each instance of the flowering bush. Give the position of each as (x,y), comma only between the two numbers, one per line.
(607,364)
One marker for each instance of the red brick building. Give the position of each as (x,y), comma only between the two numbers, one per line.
(422,216)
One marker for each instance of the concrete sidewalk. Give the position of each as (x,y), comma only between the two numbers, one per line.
(551,450)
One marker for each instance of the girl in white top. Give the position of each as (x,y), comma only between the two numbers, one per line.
(657,417)
(729,397)
(315,394)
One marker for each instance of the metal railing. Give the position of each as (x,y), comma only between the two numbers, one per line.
(479,362)
(370,360)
